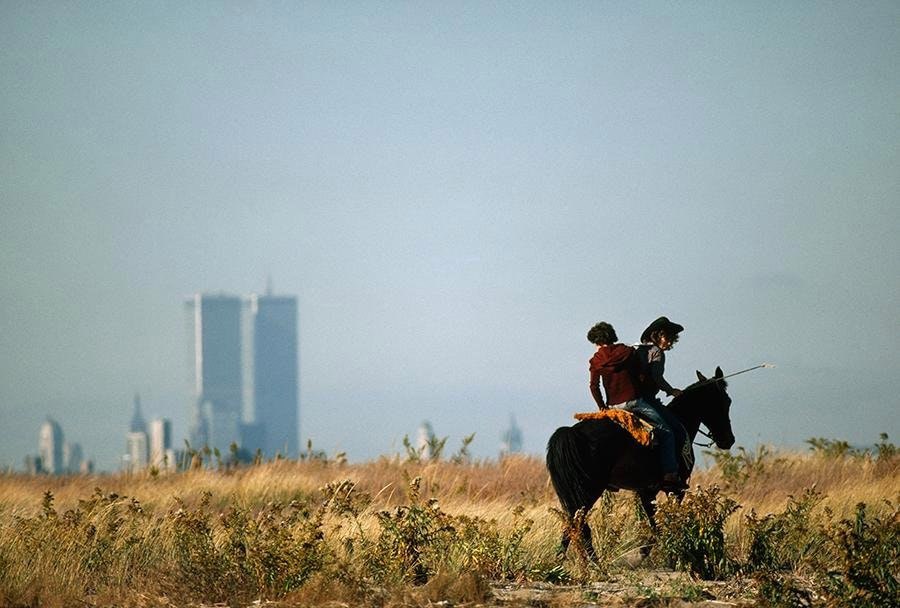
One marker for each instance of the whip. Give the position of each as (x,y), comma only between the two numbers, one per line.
(743,371)
(749,369)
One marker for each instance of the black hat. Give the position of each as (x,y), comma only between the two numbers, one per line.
(661,323)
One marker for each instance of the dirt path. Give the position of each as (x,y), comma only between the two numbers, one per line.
(645,589)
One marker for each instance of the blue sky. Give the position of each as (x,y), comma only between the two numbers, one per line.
(456,193)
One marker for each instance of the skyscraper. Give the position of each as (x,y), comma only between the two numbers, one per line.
(214,327)
(137,417)
(274,373)
(162,456)
(243,357)
(50,447)
(136,452)
(511,440)
(73,457)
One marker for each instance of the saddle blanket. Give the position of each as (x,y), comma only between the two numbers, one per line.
(639,429)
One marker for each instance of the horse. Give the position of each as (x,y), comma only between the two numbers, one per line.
(593,456)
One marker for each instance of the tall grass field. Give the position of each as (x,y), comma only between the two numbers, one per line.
(757,528)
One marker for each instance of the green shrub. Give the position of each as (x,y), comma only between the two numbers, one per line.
(413,538)
(479,546)
(692,533)
(197,566)
(240,555)
(868,550)
(831,448)
(738,468)
(107,542)
(884,449)
(782,590)
(786,540)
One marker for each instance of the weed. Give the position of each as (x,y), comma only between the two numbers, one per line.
(785,540)
(884,449)
(463,456)
(480,546)
(687,591)
(412,537)
(619,526)
(831,448)
(242,555)
(287,532)
(738,468)
(692,533)
(782,590)
(868,550)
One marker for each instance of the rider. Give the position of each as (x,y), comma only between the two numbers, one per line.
(615,364)
(619,367)
(660,336)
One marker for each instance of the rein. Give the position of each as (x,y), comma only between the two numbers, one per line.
(700,431)
(711,443)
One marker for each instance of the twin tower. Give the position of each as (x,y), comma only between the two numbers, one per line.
(244,367)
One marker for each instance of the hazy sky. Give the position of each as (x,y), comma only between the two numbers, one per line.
(455,192)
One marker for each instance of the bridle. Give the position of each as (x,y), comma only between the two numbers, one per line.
(716,381)
(709,436)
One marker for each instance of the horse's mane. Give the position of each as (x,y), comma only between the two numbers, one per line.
(708,381)
(693,392)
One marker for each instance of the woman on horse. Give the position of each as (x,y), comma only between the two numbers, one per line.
(619,368)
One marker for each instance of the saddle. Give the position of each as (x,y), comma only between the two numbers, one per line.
(642,431)
(637,427)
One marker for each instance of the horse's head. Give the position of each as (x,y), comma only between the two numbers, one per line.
(715,413)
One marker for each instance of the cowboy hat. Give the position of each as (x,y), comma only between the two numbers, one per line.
(661,323)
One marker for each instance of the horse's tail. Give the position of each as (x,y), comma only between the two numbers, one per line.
(568,461)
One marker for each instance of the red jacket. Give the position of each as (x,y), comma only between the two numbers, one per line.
(617,366)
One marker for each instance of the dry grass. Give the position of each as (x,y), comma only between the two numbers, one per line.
(236,533)
(518,479)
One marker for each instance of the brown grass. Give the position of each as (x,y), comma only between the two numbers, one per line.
(497,496)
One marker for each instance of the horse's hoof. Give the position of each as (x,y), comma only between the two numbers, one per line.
(645,551)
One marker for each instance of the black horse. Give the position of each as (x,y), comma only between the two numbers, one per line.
(593,456)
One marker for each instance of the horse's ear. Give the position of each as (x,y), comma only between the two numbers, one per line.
(700,376)
(719,373)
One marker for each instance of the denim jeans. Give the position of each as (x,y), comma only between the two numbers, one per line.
(660,418)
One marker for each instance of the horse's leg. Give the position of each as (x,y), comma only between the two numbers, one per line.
(587,542)
(648,502)
(563,544)
(578,519)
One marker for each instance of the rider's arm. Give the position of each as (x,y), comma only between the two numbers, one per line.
(595,389)
(657,368)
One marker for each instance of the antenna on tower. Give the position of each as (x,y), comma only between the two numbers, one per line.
(137,418)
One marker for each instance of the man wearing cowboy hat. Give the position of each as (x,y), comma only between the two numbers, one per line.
(660,336)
